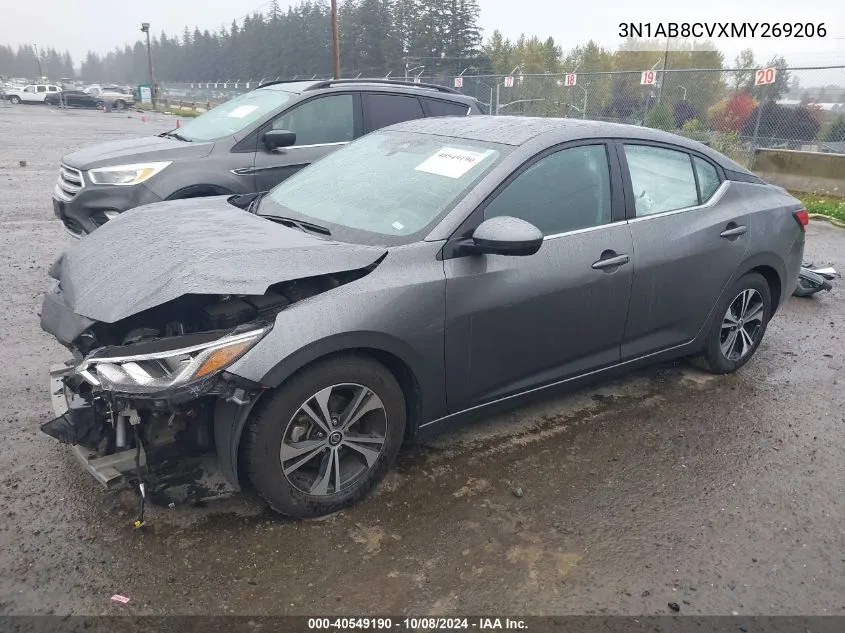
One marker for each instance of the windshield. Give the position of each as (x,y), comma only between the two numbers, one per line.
(234,115)
(393,184)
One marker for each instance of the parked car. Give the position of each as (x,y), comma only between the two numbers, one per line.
(423,274)
(74,99)
(118,97)
(33,93)
(248,144)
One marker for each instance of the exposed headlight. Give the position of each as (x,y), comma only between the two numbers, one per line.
(159,371)
(126,174)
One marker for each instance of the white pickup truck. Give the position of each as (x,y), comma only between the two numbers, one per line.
(33,93)
(118,97)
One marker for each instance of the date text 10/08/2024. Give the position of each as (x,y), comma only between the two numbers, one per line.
(421,623)
(710,30)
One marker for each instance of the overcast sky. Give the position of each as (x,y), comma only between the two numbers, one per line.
(80,25)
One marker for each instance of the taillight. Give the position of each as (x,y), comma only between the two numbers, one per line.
(802,217)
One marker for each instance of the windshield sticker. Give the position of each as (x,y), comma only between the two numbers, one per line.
(451,162)
(241,111)
(398,226)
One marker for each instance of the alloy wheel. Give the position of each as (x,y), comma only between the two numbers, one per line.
(333,439)
(742,324)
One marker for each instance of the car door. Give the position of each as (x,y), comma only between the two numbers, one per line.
(30,94)
(321,124)
(383,108)
(513,323)
(688,244)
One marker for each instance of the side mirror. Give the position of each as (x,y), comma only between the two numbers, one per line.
(505,235)
(274,139)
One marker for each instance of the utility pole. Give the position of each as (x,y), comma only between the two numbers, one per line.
(335,41)
(38,59)
(145,28)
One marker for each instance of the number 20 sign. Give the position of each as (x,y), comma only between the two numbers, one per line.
(764,76)
(647,78)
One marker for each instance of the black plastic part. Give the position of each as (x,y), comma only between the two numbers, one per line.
(267,303)
(229,420)
(77,426)
(228,314)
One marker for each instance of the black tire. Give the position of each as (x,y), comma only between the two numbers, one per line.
(713,358)
(120,105)
(273,420)
(15,99)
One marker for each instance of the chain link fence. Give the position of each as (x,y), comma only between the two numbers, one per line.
(804,107)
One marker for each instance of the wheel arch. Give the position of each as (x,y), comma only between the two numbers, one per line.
(230,419)
(398,357)
(772,269)
(199,191)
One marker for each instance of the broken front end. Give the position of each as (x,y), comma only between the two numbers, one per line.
(134,397)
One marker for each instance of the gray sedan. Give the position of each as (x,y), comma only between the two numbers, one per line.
(422,275)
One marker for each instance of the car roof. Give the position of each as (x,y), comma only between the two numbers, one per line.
(519,130)
(383,85)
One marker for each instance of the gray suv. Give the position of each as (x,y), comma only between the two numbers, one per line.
(248,144)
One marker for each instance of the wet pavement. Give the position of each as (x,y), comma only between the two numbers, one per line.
(721,494)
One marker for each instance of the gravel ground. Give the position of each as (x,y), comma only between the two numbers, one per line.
(722,494)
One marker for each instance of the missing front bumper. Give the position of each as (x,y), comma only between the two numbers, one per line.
(110,470)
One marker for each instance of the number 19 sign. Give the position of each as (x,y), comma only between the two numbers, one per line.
(648,78)
(764,76)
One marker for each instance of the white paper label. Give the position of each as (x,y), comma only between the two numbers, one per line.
(398,226)
(451,162)
(241,111)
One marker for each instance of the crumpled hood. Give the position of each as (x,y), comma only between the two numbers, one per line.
(154,254)
(136,150)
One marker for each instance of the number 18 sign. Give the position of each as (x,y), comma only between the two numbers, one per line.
(570,79)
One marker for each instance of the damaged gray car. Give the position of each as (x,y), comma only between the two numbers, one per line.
(414,278)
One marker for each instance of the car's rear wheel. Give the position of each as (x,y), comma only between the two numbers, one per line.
(15,99)
(742,318)
(120,104)
(325,438)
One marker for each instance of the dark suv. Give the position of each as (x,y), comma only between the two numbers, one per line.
(248,144)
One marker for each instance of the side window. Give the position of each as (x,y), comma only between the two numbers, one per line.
(662,179)
(42,88)
(446,108)
(708,178)
(319,121)
(561,192)
(52,89)
(29,89)
(381,110)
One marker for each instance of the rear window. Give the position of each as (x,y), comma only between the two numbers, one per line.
(446,108)
(381,110)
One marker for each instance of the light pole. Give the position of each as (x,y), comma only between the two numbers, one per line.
(663,74)
(145,28)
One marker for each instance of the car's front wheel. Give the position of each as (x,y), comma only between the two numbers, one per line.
(120,104)
(326,437)
(742,318)
(15,99)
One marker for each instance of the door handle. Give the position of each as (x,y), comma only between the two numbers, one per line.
(736,231)
(611,262)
